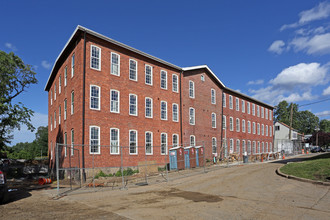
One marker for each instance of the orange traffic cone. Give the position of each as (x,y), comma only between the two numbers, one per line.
(283,156)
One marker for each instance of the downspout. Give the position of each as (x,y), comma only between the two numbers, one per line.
(83,110)
(181,138)
(221,126)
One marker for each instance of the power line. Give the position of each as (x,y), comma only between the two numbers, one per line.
(312,103)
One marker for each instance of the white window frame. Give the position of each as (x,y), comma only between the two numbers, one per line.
(237,103)
(151,147)
(65,75)
(263,147)
(243,126)
(258,146)
(175,114)
(151,75)
(72,102)
(224,122)
(97,58)
(243,106)
(51,123)
(214,145)
(270,131)
(55,119)
(98,98)
(161,144)
(254,127)
(136,106)
(118,140)
(258,111)
(248,107)
(262,112)
(192,119)
(72,142)
(253,109)
(230,102)
(136,70)
(238,125)
(224,100)
(173,143)
(136,142)
(72,65)
(231,123)
(249,127)
(254,148)
(266,131)
(163,110)
(266,113)
(213,97)
(214,120)
(165,80)
(90,139)
(191,89)
(258,129)
(51,97)
(192,143)
(55,92)
(114,64)
(238,146)
(175,86)
(112,102)
(151,107)
(243,146)
(262,130)
(231,145)
(59,84)
(59,114)
(65,143)
(270,114)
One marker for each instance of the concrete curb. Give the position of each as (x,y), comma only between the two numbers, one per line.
(278,172)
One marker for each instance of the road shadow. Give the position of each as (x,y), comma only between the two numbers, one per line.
(299,159)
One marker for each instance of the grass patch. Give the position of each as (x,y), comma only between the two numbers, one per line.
(316,168)
(128,172)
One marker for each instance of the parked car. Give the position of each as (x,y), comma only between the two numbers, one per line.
(317,149)
(327,149)
(3,187)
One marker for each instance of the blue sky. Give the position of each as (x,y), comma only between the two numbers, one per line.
(270,50)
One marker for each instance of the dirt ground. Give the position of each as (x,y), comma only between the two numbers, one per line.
(252,191)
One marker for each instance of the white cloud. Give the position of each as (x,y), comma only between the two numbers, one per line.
(324,113)
(256,82)
(10,46)
(326,91)
(277,47)
(45,64)
(318,44)
(319,12)
(24,135)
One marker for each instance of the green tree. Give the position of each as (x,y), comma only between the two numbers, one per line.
(306,122)
(15,77)
(325,126)
(42,140)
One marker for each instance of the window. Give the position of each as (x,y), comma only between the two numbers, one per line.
(72,142)
(175,140)
(249,127)
(55,119)
(214,120)
(72,102)
(59,84)
(248,108)
(191,89)
(133,104)
(266,130)
(214,145)
(254,147)
(258,111)
(59,115)
(213,100)
(237,125)
(258,147)
(237,104)
(115,64)
(72,66)
(163,143)
(163,110)
(243,147)
(65,75)
(175,83)
(267,147)
(95,57)
(94,138)
(230,102)
(202,78)
(148,74)
(262,129)
(262,112)
(253,109)
(266,113)
(65,143)
(243,106)
(249,147)
(148,143)
(258,129)
(132,70)
(270,115)
(192,140)
(231,123)
(175,114)
(148,107)
(243,125)
(163,79)
(51,97)
(95,94)
(114,101)
(270,131)
(55,92)
(254,127)
(237,146)
(114,141)
(133,142)
(231,146)
(192,116)
(277,128)
(223,99)
(223,122)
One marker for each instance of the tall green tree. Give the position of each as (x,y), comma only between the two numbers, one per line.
(42,139)
(307,122)
(15,77)
(325,126)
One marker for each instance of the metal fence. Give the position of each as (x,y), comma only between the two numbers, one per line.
(288,147)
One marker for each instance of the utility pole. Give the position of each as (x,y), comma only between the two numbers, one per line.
(291,113)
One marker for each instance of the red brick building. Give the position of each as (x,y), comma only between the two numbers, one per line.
(102,92)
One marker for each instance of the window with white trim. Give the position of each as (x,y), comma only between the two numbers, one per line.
(202,78)
(254,127)
(258,111)
(175,114)
(249,147)
(259,147)
(192,140)
(163,110)
(237,125)
(214,145)
(192,116)
(230,102)
(258,129)
(231,146)
(59,85)
(94,140)
(148,107)
(72,66)
(249,127)
(243,147)
(51,97)
(237,104)
(266,130)
(262,129)
(270,131)
(148,142)
(262,112)
(163,143)
(243,106)
(72,142)
(243,125)
(114,141)
(238,146)
(163,79)
(213,99)
(175,87)
(133,104)
(55,119)
(133,142)
(270,115)
(175,140)
(253,109)
(213,120)
(223,122)
(51,150)
(114,101)
(223,99)
(55,92)
(266,113)
(95,57)
(65,75)
(133,70)
(191,89)
(72,102)
(231,123)
(148,74)
(115,64)
(95,93)
(59,115)
(248,108)
(254,147)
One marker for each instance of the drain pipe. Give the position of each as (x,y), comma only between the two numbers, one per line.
(83,110)
(221,127)
(181,75)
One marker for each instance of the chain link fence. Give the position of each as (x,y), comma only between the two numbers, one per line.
(289,148)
